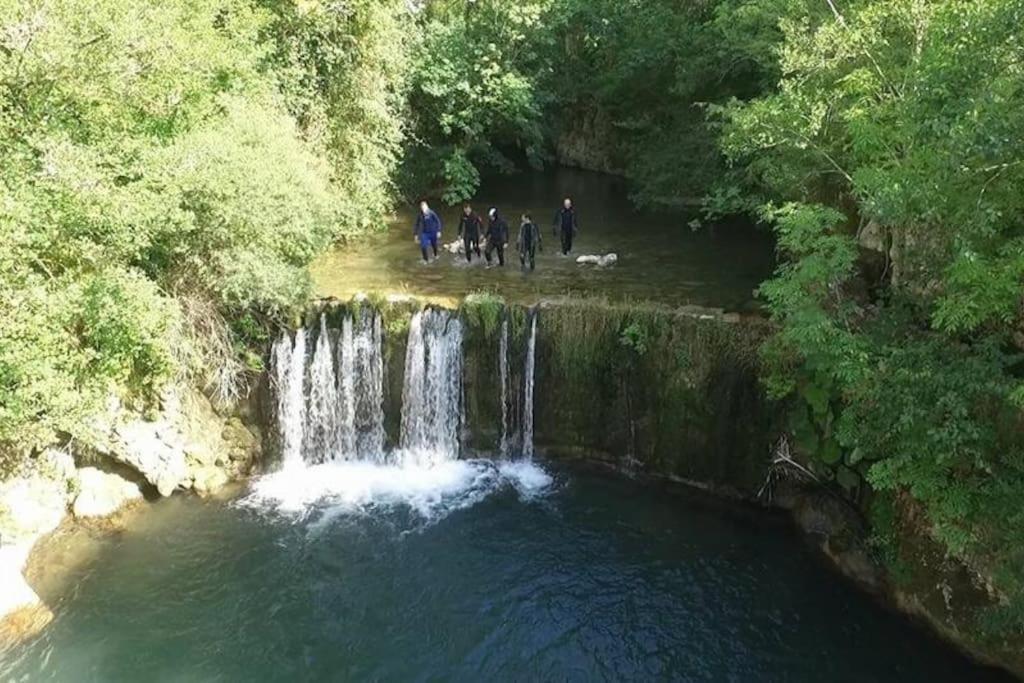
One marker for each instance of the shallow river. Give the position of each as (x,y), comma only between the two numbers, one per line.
(660,256)
(471,572)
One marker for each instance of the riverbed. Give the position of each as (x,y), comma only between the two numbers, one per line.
(669,257)
(479,571)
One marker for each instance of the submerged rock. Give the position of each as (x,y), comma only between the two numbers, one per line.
(102,493)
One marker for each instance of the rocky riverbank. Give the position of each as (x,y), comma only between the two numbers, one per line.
(184,446)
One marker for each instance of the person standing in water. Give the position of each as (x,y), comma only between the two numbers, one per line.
(565,225)
(470,226)
(497,236)
(427,230)
(528,242)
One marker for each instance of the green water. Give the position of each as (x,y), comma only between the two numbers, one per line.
(661,257)
(473,576)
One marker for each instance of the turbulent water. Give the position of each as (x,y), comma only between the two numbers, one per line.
(471,573)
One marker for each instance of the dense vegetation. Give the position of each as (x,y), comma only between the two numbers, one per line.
(896,130)
(170,168)
(882,141)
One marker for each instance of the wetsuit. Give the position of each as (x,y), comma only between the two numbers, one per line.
(566,226)
(427,229)
(469,231)
(497,236)
(528,243)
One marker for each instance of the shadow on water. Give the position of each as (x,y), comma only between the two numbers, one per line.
(600,578)
(661,257)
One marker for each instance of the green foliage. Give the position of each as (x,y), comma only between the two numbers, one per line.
(904,118)
(343,68)
(635,338)
(653,68)
(484,311)
(156,186)
(474,92)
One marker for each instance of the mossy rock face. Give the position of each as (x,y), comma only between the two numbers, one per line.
(653,389)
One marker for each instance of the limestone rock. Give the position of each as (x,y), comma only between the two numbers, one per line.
(242,444)
(207,480)
(16,593)
(31,506)
(155,450)
(102,493)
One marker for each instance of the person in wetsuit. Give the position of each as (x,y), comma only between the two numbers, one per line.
(470,227)
(497,236)
(565,225)
(427,230)
(528,242)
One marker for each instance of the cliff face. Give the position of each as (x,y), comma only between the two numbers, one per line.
(589,141)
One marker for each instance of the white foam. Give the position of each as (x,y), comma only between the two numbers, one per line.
(334,489)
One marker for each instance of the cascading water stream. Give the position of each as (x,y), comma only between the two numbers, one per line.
(529,370)
(289,361)
(503,446)
(432,392)
(332,409)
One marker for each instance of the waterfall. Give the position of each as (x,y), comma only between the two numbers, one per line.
(529,370)
(333,409)
(503,371)
(323,434)
(289,362)
(432,393)
(368,388)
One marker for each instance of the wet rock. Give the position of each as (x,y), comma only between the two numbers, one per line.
(242,445)
(102,493)
(207,480)
(839,531)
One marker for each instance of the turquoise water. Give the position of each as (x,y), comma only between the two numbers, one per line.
(478,574)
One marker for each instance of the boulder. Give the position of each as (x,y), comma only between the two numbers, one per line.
(102,493)
(207,480)
(30,506)
(155,450)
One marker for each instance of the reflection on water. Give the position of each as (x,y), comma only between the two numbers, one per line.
(660,256)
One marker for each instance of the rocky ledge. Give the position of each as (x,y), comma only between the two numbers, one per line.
(184,446)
